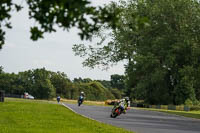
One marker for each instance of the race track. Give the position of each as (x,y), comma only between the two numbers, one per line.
(140,121)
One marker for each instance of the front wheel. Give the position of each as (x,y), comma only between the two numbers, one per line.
(115,113)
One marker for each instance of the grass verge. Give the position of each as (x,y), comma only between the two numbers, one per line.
(191,114)
(32,116)
(96,103)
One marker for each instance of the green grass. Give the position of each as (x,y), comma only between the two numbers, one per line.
(191,114)
(95,103)
(31,116)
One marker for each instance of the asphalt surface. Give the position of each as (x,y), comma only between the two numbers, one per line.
(140,121)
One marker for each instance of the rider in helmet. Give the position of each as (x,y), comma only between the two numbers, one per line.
(58,99)
(82,96)
(124,104)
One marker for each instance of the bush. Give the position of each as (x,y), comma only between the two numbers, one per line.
(191,103)
(196,102)
(195,108)
(188,102)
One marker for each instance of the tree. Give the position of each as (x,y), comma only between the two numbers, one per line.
(160,41)
(105,83)
(78,80)
(42,86)
(61,83)
(10,83)
(26,80)
(117,81)
(1,69)
(6,6)
(63,13)
(117,94)
(95,91)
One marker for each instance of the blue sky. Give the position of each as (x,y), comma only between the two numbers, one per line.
(54,52)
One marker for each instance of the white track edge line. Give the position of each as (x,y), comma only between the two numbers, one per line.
(92,118)
(80,114)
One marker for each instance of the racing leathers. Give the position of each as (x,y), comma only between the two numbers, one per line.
(124,104)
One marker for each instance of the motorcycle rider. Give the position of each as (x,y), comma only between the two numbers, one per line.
(124,104)
(58,99)
(82,96)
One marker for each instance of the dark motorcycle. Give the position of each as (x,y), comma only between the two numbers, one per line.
(116,111)
(80,100)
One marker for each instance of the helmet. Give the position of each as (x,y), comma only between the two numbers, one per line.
(82,92)
(126,98)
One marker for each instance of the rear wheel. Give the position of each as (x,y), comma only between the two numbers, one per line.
(79,102)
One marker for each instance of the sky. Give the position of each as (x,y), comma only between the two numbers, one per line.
(54,52)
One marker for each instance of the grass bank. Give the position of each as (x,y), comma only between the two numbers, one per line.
(97,103)
(191,114)
(32,116)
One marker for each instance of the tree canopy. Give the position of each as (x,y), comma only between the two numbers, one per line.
(44,84)
(49,14)
(160,40)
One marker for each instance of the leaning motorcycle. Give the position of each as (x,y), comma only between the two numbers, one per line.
(80,100)
(116,111)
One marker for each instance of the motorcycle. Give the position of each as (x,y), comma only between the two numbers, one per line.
(116,111)
(80,100)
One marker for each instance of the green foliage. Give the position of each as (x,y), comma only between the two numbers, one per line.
(62,84)
(117,81)
(1,69)
(36,82)
(63,13)
(192,103)
(6,6)
(95,91)
(160,41)
(166,58)
(105,83)
(42,87)
(44,84)
(80,80)
(9,83)
(188,102)
(195,108)
(117,93)
(36,33)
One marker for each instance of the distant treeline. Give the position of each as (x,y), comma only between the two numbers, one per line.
(44,84)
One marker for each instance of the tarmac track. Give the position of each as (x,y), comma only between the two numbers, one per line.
(140,121)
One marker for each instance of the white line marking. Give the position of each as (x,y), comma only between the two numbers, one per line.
(81,114)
